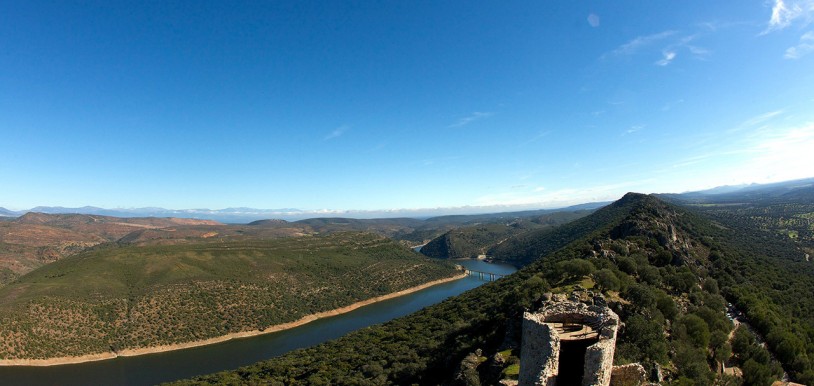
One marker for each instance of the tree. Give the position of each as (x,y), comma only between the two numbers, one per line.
(694,330)
(576,268)
(606,280)
(641,296)
(666,305)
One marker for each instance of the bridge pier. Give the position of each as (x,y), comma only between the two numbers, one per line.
(487,276)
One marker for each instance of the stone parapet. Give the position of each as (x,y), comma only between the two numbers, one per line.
(560,320)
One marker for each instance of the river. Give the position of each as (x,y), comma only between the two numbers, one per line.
(161,367)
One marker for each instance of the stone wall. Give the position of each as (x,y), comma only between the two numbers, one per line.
(538,338)
(539,355)
(599,362)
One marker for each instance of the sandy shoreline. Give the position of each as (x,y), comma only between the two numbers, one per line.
(223,338)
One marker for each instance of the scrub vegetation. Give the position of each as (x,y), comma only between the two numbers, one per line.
(667,270)
(114,297)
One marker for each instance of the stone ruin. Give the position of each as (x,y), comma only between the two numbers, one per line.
(568,343)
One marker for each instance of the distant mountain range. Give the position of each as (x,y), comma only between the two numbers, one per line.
(739,193)
(244,215)
(247,215)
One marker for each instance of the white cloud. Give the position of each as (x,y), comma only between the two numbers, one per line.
(669,106)
(805,47)
(593,20)
(537,137)
(336,133)
(543,198)
(633,129)
(670,46)
(785,13)
(698,52)
(756,121)
(667,59)
(477,115)
(780,154)
(640,42)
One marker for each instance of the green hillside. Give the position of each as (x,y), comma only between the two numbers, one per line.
(655,263)
(526,247)
(122,297)
(472,241)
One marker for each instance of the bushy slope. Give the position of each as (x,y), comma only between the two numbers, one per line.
(140,296)
(761,253)
(527,247)
(36,239)
(649,258)
(472,241)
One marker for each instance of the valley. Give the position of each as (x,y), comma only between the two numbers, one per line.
(666,269)
(668,265)
(388,193)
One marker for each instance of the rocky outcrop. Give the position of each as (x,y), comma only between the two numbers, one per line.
(632,374)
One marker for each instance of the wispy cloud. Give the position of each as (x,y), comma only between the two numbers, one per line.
(785,13)
(764,148)
(669,106)
(640,42)
(537,137)
(336,133)
(692,160)
(670,43)
(378,146)
(475,116)
(687,43)
(667,59)
(543,198)
(805,47)
(779,153)
(757,120)
(593,20)
(633,129)
(440,160)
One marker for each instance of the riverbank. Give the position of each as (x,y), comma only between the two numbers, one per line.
(238,335)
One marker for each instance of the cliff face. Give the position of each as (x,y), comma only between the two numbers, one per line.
(439,247)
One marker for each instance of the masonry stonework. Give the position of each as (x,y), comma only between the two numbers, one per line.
(544,331)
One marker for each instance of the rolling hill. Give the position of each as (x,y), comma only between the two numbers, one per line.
(475,240)
(35,239)
(112,299)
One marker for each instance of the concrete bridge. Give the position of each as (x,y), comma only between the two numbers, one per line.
(488,276)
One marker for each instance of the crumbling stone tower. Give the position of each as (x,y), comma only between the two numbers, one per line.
(568,343)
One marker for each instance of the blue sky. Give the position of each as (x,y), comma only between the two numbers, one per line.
(389,105)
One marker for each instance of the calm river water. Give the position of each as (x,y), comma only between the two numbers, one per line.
(168,366)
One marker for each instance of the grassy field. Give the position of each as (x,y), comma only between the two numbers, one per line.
(114,297)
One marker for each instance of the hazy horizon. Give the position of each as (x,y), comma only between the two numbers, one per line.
(246,214)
